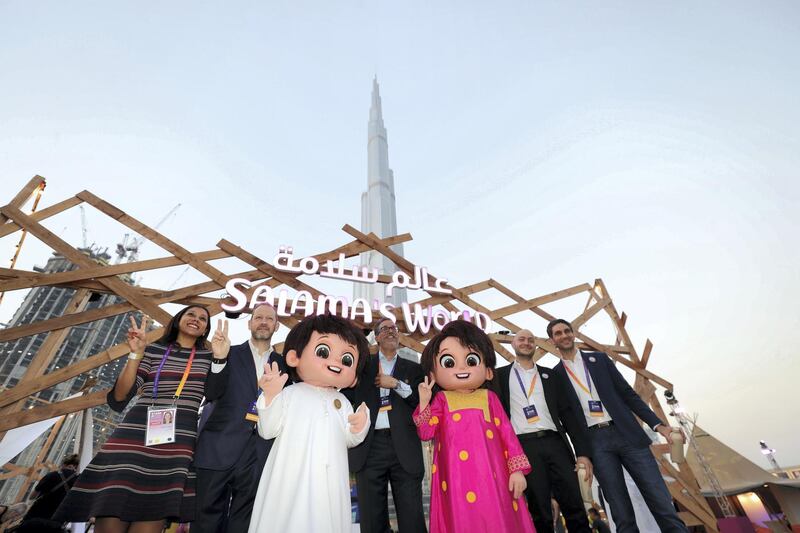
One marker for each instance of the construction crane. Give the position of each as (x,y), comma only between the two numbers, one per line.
(24,232)
(131,249)
(770,454)
(84,231)
(687,424)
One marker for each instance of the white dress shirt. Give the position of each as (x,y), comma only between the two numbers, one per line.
(403,389)
(579,370)
(260,359)
(518,399)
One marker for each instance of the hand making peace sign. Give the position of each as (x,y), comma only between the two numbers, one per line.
(425,392)
(220,343)
(136,335)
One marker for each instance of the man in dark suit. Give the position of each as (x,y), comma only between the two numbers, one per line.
(541,418)
(230,454)
(609,404)
(392,452)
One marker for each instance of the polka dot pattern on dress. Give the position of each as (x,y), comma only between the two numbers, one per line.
(471,497)
(463,455)
(489,434)
(456,417)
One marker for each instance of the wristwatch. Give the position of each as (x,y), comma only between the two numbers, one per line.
(135,356)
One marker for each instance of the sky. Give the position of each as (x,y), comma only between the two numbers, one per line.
(542,144)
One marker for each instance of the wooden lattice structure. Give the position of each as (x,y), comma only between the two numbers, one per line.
(90,277)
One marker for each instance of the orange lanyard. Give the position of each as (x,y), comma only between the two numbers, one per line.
(183,379)
(578,381)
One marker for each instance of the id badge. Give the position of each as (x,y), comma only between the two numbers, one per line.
(252,411)
(160,425)
(531,414)
(385,404)
(595,408)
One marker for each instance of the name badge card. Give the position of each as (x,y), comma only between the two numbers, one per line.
(595,408)
(531,414)
(385,404)
(252,413)
(160,426)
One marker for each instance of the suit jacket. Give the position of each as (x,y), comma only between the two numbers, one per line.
(404,433)
(559,406)
(619,399)
(224,431)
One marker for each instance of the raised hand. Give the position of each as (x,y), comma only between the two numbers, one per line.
(517,484)
(425,392)
(358,419)
(136,335)
(272,381)
(220,343)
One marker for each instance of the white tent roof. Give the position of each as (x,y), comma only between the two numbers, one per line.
(736,473)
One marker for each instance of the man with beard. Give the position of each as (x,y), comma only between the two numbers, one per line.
(392,452)
(609,404)
(230,454)
(542,416)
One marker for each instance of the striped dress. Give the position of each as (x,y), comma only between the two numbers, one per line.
(134,482)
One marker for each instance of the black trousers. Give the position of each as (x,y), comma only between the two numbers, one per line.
(381,468)
(553,475)
(225,497)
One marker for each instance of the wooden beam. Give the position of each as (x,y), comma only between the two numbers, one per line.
(590,312)
(153,236)
(51,239)
(75,369)
(404,264)
(30,416)
(539,300)
(612,312)
(585,338)
(648,347)
(44,355)
(37,463)
(42,214)
(23,195)
(26,281)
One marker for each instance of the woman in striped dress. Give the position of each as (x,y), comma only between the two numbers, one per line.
(131,486)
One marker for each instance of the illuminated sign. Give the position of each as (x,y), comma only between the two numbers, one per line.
(416,317)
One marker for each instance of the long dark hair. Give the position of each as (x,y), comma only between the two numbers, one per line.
(171,330)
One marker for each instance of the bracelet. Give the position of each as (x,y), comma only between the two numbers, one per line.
(135,356)
(219,361)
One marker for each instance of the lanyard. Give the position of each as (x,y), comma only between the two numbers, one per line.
(183,379)
(530,389)
(578,381)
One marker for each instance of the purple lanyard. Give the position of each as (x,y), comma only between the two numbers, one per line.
(522,386)
(158,372)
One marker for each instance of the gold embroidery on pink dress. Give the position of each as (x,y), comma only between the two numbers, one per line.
(456,401)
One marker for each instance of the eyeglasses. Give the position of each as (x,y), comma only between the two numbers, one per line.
(386,329)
